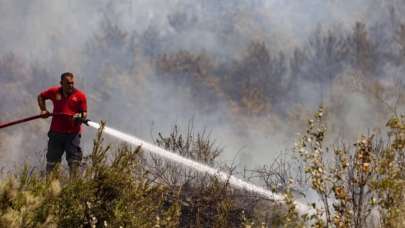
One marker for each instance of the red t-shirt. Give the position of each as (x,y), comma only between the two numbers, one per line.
(74,103)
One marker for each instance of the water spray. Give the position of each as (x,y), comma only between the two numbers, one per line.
(200,167)
(233,181)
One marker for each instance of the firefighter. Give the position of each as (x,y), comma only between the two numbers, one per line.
(70,110)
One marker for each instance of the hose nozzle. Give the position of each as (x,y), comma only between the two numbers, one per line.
(85,121)
(79,117)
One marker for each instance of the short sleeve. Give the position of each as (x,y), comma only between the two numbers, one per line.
(48,94)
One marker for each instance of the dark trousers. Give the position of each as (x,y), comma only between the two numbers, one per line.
(59,143)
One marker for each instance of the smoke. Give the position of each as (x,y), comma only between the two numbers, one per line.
(114,47)
(49,30)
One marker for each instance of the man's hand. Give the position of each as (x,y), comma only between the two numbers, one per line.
(42,106)
(45,114)
(77,117)
(80,117)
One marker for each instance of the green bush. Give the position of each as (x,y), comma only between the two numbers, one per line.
(108,193)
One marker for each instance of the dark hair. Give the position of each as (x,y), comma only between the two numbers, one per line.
(66,74)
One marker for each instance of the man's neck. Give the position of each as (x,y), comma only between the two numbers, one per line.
(66,94)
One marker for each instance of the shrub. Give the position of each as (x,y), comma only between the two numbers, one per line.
(355,183)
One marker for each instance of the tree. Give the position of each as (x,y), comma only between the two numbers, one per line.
(257,79)
(363,52)
(400,39)
(192,73)
(319,62)
(327,52)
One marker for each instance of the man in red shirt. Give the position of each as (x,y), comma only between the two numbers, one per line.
(69,109)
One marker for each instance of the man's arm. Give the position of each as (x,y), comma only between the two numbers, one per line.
(42,106)
(83,106)
(82,115)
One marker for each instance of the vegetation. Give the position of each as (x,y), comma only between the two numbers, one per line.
(109,194)
(126,190)
(359,186)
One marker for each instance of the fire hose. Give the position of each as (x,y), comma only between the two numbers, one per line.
(7,124)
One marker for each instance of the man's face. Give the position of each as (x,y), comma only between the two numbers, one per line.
(68,84)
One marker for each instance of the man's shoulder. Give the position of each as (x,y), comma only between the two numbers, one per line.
(50,91)
(80,93)
(54,88)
